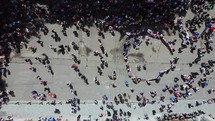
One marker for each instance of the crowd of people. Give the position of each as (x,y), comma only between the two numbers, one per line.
(27,18)
(107,15)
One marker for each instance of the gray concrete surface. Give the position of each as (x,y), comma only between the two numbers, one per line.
(155,56)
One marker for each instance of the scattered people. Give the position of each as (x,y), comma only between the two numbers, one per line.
(128,20)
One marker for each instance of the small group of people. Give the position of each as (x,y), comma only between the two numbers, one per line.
(104,63)
(75,102)
(183,116)
(81,75)
(5,96)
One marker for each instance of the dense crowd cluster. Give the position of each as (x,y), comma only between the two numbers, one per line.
(25,18)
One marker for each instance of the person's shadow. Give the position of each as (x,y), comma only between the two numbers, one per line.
(3,84)
(12,93)
(57,111)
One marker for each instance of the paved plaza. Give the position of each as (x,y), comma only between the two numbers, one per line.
(156,56)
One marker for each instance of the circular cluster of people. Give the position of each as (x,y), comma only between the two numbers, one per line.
(28,19)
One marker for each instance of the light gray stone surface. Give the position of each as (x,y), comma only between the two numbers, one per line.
(156,57)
